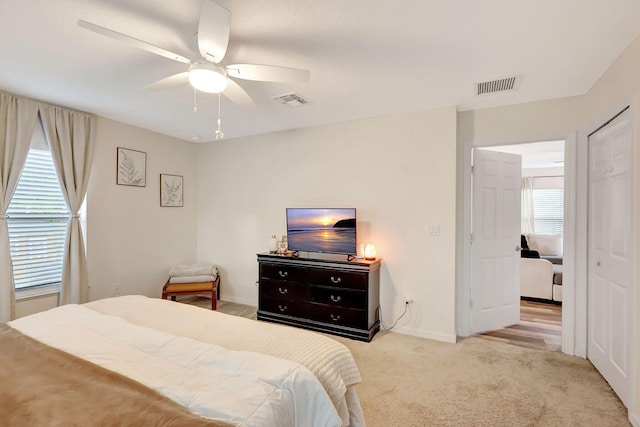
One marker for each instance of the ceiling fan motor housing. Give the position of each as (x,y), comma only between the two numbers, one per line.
(207,78)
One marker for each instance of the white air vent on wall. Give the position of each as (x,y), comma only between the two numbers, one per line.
(493,86)
(291,99)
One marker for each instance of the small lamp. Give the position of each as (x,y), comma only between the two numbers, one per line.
(370,252)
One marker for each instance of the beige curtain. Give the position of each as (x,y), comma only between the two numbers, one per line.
(18,119)
(71,138)
(526,201)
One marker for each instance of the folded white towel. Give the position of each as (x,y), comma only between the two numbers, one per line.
(192,279)
(193,270)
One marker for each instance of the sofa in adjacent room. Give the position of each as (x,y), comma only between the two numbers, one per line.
(541,267)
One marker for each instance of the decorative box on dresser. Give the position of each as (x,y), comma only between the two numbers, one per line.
(333,296)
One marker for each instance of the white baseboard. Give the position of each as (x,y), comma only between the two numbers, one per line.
(634,419)
(436,336)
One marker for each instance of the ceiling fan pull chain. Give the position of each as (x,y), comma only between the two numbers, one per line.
(195,101)
(219,134)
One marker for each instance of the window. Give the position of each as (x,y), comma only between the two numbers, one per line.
(548,210)
(37,221)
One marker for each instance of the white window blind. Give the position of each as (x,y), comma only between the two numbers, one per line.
(37,223)
(548,210)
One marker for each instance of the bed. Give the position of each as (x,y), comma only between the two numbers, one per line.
(202,367)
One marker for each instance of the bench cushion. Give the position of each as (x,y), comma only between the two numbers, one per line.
(189,287)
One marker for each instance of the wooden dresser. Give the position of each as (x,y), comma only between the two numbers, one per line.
(337,297)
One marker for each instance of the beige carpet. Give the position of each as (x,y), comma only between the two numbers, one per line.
(409,381)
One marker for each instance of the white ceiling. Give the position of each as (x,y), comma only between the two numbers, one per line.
(367,57)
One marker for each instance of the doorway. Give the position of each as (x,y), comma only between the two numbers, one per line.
(542,220)
(540,327)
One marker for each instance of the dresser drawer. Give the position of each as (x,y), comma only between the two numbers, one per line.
(283,290)
(339,316)
(338,297)
(347,279)
(282,306)
(282,272)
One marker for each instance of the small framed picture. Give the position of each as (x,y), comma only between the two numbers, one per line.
(132,167)
(170,190)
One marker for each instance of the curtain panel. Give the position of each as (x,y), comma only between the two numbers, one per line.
(18,118)
(527,224)
(71,137)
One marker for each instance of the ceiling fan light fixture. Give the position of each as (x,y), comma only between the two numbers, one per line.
(208,78)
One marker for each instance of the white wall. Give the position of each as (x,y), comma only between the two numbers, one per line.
(27,306)
(529,122)
(398,172)
(131,239)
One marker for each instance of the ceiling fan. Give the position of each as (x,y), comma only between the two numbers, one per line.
(205,74)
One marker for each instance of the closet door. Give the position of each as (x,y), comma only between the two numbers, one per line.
(610,253)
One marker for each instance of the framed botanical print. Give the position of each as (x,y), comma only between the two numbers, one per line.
(132,167)
(170,190)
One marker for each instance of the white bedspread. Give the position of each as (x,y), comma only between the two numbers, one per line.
(242,388)
(330,361)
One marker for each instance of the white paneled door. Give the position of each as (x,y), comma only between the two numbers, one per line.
(610,257)
(495,247)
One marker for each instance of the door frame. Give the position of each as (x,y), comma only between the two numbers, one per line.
(464,279)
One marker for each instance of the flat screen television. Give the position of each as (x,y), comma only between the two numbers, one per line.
(322,230)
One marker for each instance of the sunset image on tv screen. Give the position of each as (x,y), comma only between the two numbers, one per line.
(322,230)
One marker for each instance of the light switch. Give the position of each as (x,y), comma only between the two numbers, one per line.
(434,230)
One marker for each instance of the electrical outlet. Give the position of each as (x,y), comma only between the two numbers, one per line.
(117,289)
(407,299)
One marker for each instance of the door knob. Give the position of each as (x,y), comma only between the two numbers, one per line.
(518,248)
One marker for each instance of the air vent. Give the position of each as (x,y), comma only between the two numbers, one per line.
(493,86)
(291,99)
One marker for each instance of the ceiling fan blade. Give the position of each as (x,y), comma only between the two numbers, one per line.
(237,95)
(133,41)
(213,31)
(267,73)
(174,80)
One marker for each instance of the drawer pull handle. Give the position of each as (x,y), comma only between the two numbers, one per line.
(336,280)
(335,299)
(335,318)
(282,291)
(283,273)
(282,307)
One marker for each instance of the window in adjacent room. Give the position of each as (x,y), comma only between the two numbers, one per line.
(548,210)
(38,217)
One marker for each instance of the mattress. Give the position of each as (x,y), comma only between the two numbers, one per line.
(214,382)
(330,361)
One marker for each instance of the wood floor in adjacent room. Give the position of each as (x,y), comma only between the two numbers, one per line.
(540,327)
